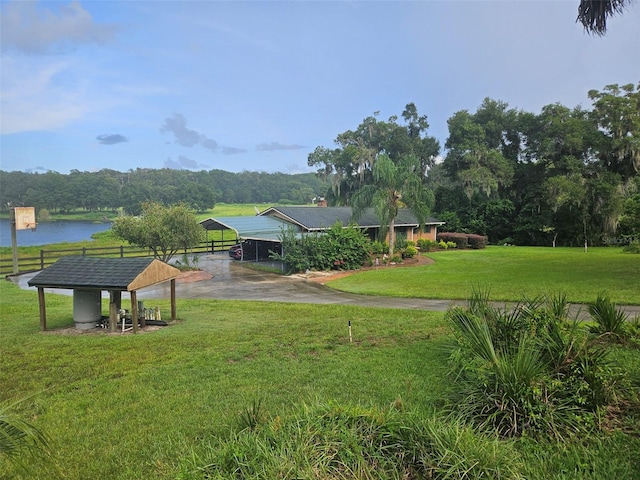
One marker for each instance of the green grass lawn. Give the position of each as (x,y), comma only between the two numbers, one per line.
(148,405)
(508,273)
(125,406)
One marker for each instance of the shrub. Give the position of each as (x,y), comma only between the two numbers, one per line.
(443,245)
(476,241)
(460,239)
(632,247)
(427,245)
(527,371)
(464,240)
(409,252)
(379,248)
(609,319)
(338,249)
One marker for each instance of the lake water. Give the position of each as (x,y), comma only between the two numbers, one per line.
(51,232)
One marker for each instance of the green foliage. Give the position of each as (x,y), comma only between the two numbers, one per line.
(379,248)
(108,191)
(253,417)
(409,252)
(17,435)
(44,215)
(609,320)
(187,405)
(527,371)
(393,182)
(337,249)
(476,241)
(187,262)
(463,240)
(427,245)
(344,441)
(632,247)
(460,239)
(164,230)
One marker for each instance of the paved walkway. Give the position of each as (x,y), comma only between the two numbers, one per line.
(233,281)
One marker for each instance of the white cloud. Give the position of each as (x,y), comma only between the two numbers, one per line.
(29,28)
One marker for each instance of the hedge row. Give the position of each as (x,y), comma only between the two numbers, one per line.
(463,240)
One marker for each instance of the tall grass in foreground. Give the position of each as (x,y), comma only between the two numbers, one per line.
(324,441)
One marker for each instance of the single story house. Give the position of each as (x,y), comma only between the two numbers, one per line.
(262,233)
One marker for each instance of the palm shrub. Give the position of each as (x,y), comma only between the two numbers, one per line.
(609,320)
(17,436)
(528,369)
(501,389)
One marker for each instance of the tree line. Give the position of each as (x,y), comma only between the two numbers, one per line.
(564,176)
(110,190)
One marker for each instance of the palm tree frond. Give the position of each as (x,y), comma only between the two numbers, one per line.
(593,14)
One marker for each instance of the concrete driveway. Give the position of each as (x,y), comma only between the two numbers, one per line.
(234,281)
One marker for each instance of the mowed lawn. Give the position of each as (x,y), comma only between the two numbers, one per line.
(137,406)
(508,273)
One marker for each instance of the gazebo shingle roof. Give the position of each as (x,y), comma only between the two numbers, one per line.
(124,274)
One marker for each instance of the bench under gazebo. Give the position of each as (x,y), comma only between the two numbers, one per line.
(88,277)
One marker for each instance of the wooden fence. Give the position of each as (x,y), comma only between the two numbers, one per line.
(47,257)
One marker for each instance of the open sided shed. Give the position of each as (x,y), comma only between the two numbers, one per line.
(259,234)
(89,276)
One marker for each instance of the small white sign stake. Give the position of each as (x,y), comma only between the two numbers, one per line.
(350,337)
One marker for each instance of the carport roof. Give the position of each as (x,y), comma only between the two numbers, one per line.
(251,227)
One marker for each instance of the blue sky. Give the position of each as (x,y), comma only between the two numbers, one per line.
(259,85)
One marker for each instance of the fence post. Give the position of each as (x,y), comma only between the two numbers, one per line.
(121,251)
(41,259)
(84,251)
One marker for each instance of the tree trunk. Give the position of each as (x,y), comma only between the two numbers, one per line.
(392,237)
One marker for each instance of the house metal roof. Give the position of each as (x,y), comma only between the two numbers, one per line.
(321,218)
(251,227)
(118,274)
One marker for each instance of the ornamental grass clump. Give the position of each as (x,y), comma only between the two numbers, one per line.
(529,370)
(336,441)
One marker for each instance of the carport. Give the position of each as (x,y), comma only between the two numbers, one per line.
(89,276)
(259,234)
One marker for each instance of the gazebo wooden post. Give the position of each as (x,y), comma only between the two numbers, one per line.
(173,299)
(43,309)
(134,311)
(113,311)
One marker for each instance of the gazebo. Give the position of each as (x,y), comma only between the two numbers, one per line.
(88,277)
